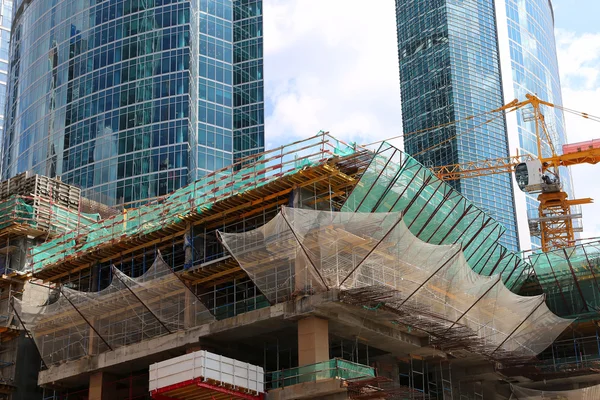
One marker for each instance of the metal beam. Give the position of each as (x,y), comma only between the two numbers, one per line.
(84,318)
(473,305)
(521,324)
(12,303)
(303,248)
(576,280)
(432,275)
(116,273)
(373,249)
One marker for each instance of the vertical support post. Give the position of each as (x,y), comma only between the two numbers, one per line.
(313,340)
(100,389)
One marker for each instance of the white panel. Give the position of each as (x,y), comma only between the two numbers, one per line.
(205,365)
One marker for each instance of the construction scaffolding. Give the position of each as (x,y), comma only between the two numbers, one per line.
(570,277)
(435,213)
(377,262)
(373,189)
(38,216)
(209,199)
(131,309)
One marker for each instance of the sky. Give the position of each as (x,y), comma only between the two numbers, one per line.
(332,65)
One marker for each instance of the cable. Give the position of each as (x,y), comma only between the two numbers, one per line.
(432,127)
(579,113)
(462,133)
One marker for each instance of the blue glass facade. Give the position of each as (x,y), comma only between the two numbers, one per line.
(129,99)
(249,124)
(5,20)
(449,70)
(534,69)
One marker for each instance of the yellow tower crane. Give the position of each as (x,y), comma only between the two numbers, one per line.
(537,175)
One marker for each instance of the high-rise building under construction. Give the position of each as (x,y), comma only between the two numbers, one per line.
(133,99)
(459,60)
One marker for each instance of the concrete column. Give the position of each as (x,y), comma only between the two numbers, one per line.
(102,387)
(93,342)
(313,340)
(189,314)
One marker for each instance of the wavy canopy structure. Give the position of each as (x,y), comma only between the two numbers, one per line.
(373,258)
(128,311)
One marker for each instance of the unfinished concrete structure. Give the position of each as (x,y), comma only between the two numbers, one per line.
(342,272)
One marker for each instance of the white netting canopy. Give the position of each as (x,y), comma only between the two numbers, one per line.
(375,260)
(128,311)
(588,393)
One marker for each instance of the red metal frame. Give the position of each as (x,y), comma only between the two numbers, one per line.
(161,393)
(230,392)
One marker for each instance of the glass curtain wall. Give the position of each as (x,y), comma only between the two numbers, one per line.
(534,69)
(5,19)
(449,70)
(249,124)
(128,99)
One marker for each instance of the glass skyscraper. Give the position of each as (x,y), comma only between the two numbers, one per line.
(530,65)
(5,20)
(450,70)
(132,99)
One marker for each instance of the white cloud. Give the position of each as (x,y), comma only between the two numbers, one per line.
(579,63)
(329,67)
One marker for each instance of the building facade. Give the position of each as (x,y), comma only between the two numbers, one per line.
(132,99)
(450,70)
(5,20)
(530,65)
(464,58)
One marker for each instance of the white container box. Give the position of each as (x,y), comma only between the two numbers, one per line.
(201,366)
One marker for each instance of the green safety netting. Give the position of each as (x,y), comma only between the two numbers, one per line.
(194,198)
(435,213)
(336,368)
(15,211)
(39,214)
(570,277)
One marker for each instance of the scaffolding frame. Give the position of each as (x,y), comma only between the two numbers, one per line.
(218,198)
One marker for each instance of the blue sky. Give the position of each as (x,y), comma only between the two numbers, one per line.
(333,66)
(577,15)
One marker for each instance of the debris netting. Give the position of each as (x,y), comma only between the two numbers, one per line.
(588,393)
(195,198)
(375,260)
(128,311)
(570,277)
(40,214)
(435,212)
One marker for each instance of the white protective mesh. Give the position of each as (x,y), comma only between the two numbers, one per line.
(59,332)
(376,261)
(589,393)
(128,311)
